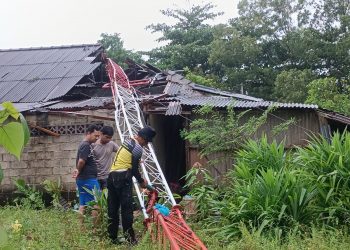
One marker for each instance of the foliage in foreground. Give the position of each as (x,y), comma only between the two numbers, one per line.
(278,193)
(14,131)
(30,196)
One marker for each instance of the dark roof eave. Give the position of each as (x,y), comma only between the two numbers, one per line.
(334,116)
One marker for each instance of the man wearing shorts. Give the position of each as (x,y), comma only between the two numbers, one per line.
(87,169)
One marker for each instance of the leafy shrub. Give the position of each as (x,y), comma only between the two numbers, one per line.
(271,191)
(208,130)
(204,190)
(259,155)
(326,164)
(264,191)
(54,188)
(221,133)
(30,196)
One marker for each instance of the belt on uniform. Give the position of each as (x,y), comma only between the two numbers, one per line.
(119,170)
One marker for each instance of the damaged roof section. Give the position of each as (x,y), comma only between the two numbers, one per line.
(74,76)
(44,74)
(170,93)
(179,85)
(93,103)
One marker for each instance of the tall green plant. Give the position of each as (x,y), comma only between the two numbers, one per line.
(274,192)
(264,192)
(100,204)
(267,188)
(259,155)
(327,164)
(204,190)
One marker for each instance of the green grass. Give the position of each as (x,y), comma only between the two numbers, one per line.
(319,239)
(52,229)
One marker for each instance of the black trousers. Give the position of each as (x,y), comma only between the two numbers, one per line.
(119,186)
(103,183)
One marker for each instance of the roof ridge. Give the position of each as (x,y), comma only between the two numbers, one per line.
(218,91)
(53,47)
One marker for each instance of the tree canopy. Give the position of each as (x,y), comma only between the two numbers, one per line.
(273,49)
(115,50)
(188,40)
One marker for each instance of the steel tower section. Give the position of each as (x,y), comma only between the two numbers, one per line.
(129,121)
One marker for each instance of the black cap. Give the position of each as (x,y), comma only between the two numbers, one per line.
(147,133)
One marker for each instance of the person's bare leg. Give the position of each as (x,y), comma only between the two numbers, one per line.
(95,213)
(81,217)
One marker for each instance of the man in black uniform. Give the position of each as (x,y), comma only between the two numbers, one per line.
(119,183)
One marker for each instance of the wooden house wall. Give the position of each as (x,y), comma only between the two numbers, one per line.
(306,123)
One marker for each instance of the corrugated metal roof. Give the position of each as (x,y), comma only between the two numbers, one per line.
(41,74)
(174,108)
(219,101)
(215,101)
(172,88)
(181,91)
(178,87)
(95,102)
(178,83)
(30,105)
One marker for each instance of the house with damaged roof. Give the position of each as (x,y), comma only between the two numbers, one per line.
(168,101)
(61,90)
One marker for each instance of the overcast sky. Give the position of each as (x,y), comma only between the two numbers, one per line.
(35,23)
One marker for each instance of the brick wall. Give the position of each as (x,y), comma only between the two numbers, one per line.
(48,157)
